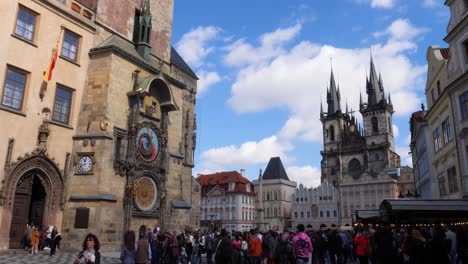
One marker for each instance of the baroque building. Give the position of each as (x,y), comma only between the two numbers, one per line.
(274,197)
(227,201)
(315,206)
(457,88)
(360,161)
(109,144)
(443,153)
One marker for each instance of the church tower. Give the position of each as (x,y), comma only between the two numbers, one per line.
(377,115)
(333,124)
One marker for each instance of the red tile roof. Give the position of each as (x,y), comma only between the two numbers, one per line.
(419,116)
(221,178)
(445,53)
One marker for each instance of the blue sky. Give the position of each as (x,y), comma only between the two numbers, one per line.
(264,67)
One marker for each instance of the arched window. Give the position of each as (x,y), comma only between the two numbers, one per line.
(268,196)
(268,212)
(275,212)
(332,133)
(375,124)
(438,87)
(276,196)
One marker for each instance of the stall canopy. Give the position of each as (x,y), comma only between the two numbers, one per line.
(401,211)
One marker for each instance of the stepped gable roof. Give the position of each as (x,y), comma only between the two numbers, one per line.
(177,60)
(221,178)
(275,170)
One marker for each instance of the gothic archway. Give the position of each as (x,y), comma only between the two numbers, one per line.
(37,169)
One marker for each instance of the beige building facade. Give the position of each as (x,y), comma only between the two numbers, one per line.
(457,89)
(110,145)
(274,197)
(444,167)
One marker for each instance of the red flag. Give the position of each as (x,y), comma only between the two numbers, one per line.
(50,68)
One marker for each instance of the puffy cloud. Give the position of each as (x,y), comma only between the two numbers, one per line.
(309,176)
(430,3)
(194,45)
(401,29)
(379,3)
(249,153)
(207,79)
(271,74)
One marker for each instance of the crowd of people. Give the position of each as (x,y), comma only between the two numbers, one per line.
(36,239)
(363,245)
(382,245)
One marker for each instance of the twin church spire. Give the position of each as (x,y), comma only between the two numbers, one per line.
(374,89)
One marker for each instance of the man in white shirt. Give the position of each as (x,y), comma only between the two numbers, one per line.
(450,235)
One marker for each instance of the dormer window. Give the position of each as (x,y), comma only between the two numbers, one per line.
(231,186)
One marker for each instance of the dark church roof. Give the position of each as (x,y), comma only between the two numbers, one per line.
(275,170)
(177,60)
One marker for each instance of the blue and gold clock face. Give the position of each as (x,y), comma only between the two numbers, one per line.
(147,144)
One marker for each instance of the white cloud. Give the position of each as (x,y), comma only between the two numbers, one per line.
(309,176)
(241,53)
(249,153)
(207,79)
(272,75)
(430,3)
(405,157)
(401,29)
(194,45)
(379,3)
(383,3)
(396,130)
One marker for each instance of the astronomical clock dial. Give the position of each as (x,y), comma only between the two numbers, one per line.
(355,169)
(147,144)
(85,164)
(146,194)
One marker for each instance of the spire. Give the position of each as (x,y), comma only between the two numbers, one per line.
(389,99)
(260,175)
(374,86)
(333,97)
(347,107)
(144,30)
(321,109)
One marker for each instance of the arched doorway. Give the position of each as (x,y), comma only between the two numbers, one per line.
(32,192)
(28,206)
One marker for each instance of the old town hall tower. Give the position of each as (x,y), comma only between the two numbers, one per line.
(360,160)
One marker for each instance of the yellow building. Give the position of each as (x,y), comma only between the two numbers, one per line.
(444,167)
(110,145)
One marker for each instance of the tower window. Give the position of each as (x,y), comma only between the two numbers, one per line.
(465,47)
(332,133)
(375,124)
(464,105)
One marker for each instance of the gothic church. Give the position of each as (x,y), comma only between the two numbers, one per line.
(360,160)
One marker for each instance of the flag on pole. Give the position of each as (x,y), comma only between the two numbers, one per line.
(50,68)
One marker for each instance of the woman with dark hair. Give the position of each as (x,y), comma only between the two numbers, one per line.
(90,253)
(129,252)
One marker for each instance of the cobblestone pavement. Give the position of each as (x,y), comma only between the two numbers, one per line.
(22,257)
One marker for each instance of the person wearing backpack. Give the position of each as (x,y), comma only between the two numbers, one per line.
(302,245)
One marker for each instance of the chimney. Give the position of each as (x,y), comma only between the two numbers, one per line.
(242,172)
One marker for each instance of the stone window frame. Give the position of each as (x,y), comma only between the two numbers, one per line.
(375,124)
(36,17)
(464,105)
(436,139)
(25,88)
(78,37)
(447,130)
(452,180)
(442,184)
(71,92)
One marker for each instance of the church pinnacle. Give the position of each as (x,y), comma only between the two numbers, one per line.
(144,30)
(374,86)
(333,97)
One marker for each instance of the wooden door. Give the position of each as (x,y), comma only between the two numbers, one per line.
(20,212)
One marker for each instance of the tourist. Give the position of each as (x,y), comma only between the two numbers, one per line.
(90,251)
(128,252)
(255,249)
(52,233)
(224,252)
(302,245)
(35,238)
(452,236)
(143,250)
(284,250)
(362,243)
